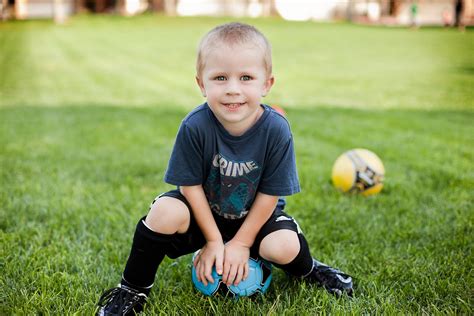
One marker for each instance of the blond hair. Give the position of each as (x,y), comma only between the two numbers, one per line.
(233,34)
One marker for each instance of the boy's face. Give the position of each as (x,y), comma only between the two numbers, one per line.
(234,80)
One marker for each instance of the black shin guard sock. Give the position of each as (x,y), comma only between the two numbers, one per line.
(148,250)
(303,262)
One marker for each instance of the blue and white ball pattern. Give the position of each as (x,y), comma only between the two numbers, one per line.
(258,281)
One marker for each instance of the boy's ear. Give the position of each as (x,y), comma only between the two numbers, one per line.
(268,85)
(201,86)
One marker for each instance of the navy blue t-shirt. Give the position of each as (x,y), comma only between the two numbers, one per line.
(232,169)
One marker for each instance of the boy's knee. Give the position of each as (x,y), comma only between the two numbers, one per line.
(168,215)
(281,246)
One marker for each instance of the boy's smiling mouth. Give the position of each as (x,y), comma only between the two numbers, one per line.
(233,106)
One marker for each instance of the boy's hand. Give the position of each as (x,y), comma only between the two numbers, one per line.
(236,266)
(212,253)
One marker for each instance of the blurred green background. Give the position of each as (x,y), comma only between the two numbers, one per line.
(150,60)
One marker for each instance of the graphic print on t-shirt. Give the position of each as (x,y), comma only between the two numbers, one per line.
(231,186)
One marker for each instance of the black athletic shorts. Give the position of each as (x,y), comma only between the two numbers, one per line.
(193,239)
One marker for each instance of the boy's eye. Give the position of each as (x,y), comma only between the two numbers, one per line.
(220,78)
(245,78)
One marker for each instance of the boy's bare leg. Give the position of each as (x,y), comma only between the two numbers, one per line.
(289,250)
(281,246)
(167,218)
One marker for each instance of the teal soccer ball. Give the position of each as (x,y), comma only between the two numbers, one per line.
(258,281)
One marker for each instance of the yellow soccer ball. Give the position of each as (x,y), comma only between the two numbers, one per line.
(358,170)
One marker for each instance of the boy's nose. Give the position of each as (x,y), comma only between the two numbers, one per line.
(233,87)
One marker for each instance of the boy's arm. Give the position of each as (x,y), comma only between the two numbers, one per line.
(238,249)
(261,210)
(213,251)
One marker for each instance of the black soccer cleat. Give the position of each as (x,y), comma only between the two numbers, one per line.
(333,280)
(121,301)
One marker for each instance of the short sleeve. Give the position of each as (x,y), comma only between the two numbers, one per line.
(185,166)
(280,177)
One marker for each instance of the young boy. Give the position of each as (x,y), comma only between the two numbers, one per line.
(232,160)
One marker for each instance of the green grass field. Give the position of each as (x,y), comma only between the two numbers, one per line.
(88,116)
